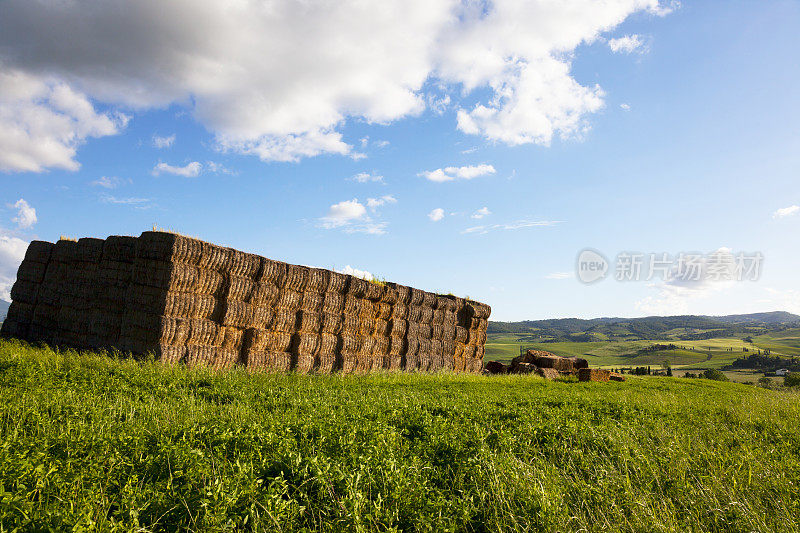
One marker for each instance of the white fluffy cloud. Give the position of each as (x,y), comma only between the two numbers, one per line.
(453,173)
(109,182)
(190,170)
(482,212)
(26,215)
(43,121)
(436,215)
(363,274)
(12,252)
(278,80)
(786,211)
(626,44)
(366,177)
(163,142)
(351,216)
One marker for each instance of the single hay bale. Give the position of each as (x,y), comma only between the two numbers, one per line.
(215,258)
(390,295)
(255,361)
(477,337)
(331,323)
(328,344)
(350,345)
(282,361)
(39,252)
(352,305)
(120,249)
(437,331)
(24,291)
(240,288)
(175,277)
(309,322)
(593,374)
(162,246)
(366,325)
(31,271)
(209,282)
(403,292)
(333,302)
(256,340)
(170,354)
(448,332)
(616,377)
(425,331)
(438,316)
(548,373)
(285,320)
(273,272)
(398,327)
(337,282)
(265,293)
(357,287)
(296,277)
(381,347)
(229,338)
(479,310)
(349,363)
(289,299)
(325,364)
(414,313)
(350,325)
(397,346)
(177,304)
(317,280)
(383,310)
(244,265)
(428,299)
(462,335)
(427,315)
(374,292)
(279,341)
(201,332)
(200,355)
(311,302)
(496,367)
(381,328)
(89,250)
(400,310)
(238,314)
(225,358)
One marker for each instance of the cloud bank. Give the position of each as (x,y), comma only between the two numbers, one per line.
(278,80)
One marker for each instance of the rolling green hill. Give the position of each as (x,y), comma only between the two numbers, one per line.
(687,327)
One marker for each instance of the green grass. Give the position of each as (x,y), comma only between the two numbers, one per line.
(92,443)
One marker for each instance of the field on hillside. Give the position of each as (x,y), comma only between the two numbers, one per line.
(90,442)
(690,355)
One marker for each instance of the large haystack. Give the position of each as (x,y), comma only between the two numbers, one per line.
(190,301)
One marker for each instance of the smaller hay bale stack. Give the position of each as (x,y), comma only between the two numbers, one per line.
(593,374)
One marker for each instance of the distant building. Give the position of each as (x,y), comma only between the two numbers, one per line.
(781,372)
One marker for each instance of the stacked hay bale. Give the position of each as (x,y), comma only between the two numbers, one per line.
(190,301)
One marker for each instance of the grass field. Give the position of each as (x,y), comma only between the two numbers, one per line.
(92,443)
(691,355)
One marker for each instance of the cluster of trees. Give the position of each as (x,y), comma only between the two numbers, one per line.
(711,373)
(766,362)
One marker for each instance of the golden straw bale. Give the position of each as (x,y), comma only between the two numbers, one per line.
(437,331)
(262,317)
(215,258)
(400,310)
(333,302)
(237,314)
(390,294)
(417,296)
(352,305)
(296,277)
(426,315)
(289,299)
(178,304)
(325,364)
(258,361)
(337,282)
(374,291)
(240,288)
(162,246)
(477,337)
(317,280)
(414,313)
(244,265)
(265,294)
(448,332)
(438,316)
(305,344)
(425,331)
(256,340)
(311,302)
(462,334)
(209,282)
(331,323)
(403,292)
(281,361)
(285,320)
(170,354)
(225,358)
(229,338)
(428,299)
(383,310)
(273,272)
(201,332)
(480,310)
(309,322)
(199,355)
(397,345)
(357,287)
(329,344)
(279,341)
(398,327)
(381,328)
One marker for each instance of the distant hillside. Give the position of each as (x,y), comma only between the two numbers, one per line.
(3,309)
(684,327)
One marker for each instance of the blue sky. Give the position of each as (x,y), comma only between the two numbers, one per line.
(636,127)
